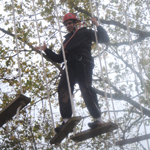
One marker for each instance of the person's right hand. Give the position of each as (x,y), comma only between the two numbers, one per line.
(44,47)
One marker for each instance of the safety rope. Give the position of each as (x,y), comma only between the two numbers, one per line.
(64,57)
(132,48)
(16,42)
(99,56)
(100,63)
(106,70)
(103,50)
(51,113)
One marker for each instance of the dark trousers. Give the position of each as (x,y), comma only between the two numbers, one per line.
(79,72)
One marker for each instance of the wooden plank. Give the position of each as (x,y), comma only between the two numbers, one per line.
(66,129)
(133,140)
(104,128)
(10,110)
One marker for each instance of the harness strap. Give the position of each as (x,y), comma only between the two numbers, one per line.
(70,39)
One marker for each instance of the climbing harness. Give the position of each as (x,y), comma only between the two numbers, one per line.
(69,40)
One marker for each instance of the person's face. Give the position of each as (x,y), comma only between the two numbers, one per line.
(70,25)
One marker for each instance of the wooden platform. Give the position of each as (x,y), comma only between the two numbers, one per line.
(11,109)
(107,127)
(133,140)
(66,129)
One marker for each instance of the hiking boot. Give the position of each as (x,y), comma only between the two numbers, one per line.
(57,129)
(94,124)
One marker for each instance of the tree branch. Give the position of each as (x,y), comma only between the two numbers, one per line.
(142,34)
(120,96)
(128,65)
(27,43)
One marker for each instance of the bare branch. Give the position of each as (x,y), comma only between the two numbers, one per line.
(120,96)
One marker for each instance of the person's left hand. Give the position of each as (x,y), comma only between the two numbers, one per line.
(94,21)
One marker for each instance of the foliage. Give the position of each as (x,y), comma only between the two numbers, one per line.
(121,76)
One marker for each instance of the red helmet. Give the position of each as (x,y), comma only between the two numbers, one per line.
(69,16)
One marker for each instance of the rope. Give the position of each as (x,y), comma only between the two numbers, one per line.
(43,66)
(97,4)
(136,58)
(64,57)
(106,73)
(100,63)
(16,41)
(147,3)
(18,110)
(131,46)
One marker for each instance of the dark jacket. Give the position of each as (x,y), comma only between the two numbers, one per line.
(80,45)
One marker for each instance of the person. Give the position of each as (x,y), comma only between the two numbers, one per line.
(77,47)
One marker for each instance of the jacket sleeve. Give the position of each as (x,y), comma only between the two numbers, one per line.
(53,56)
(101,35)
